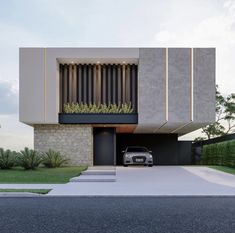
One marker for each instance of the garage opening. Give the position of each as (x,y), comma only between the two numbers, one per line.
(164,147)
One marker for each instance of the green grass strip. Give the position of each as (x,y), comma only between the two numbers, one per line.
(229,170)
(39,191)
(40,175)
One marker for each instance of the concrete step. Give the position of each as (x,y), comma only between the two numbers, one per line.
(103,168)
(94,178)
(99,172)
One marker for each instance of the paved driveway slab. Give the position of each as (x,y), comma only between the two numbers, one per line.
(156,181)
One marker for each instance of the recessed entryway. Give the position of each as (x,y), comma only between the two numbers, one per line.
(104,146)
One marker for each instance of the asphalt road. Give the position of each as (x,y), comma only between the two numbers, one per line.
(117,215)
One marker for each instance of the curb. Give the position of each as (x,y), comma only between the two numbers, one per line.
(19,194)
(115,196)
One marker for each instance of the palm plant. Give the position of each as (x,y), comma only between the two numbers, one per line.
(52,159)
(7,159)
(29,159)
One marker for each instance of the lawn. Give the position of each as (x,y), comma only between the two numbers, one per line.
(224,169)
(39,175)
(39,191)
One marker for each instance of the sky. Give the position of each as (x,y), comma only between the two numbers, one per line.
(107,23)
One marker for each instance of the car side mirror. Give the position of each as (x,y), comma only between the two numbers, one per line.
(150,151)
(123,151)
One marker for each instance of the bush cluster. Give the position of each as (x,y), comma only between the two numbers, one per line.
(30,159)
(97,108)
(222,153)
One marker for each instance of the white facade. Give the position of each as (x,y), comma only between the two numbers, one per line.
(176,86)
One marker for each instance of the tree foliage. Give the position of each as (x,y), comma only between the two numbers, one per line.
(225,117)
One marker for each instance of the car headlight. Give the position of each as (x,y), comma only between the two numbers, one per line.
(128,156)
(150,156)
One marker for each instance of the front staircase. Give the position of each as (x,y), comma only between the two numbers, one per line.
(97,174)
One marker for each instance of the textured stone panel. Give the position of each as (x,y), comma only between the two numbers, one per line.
(179,85)
(73,141)
(151,87)
(204,85)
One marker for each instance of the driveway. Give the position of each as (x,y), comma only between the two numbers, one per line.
(156,181)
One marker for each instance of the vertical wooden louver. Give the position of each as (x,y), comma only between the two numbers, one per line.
(98,83)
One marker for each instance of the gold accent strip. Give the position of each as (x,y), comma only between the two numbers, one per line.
(191,84)
(45,93)
(166,84)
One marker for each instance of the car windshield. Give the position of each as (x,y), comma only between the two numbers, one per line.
(136,149)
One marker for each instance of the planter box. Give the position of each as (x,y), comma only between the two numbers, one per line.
(98,118)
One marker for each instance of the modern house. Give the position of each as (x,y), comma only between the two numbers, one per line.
(91,103)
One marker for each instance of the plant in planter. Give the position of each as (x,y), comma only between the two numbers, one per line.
(7,159)
(98,108)
(29,159)
(52,159)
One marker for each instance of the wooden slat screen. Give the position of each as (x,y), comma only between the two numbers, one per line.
(98,83)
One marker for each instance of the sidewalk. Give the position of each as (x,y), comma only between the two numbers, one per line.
(145,181)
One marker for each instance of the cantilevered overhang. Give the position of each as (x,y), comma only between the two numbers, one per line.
(176,89)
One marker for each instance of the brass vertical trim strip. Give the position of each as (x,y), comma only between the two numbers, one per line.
(89,83)
(108,76)
(191,84)
(128,90)
(119,80)
(84,77)
(65,78)
(99,89)
(166,91)
(80,83)
(103,78)
(123,83)
(70,83)
(74,83)
(45,87)
(94,85)
(114,86)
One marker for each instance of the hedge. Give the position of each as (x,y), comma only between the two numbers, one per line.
(222,153)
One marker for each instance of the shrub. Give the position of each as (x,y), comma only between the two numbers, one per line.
(209,154)
(231,153)
(29,159)
(7,159)
(53,159)
(222,153)
(215,159)
(97,108)
(205,154)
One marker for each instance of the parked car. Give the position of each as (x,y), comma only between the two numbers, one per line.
(136,155)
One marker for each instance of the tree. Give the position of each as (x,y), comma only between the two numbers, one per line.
(225,117)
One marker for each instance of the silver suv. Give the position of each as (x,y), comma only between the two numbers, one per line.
(137,155)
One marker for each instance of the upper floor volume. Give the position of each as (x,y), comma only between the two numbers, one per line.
(158,90)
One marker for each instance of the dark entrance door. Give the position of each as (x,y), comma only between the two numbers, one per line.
(104,146)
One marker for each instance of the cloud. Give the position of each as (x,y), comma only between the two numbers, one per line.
(13,134)
(216,31)
(8,97)
(164,36)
